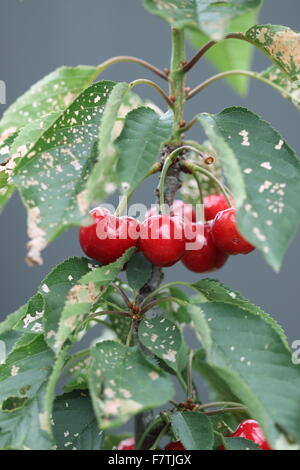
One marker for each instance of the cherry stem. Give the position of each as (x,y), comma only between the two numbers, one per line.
(148,429)
(207,46)
(130,333)
(161,300)
(159,437)
(229,73)
(197,179)
(225,410)
(167,286)
(135,60)
(144,81)
(218,404)
(190,385)
(193,167)
(122,294)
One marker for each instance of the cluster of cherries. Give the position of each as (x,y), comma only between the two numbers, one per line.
(163,238)
(248,429)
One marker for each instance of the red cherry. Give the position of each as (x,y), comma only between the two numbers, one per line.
(109,236)
(162,239)
(178,208)
(250,429)
(214,204)
(226,235)
(205,256)
(175,445)
(126,444)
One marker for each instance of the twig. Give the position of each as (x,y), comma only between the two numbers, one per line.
(134,60)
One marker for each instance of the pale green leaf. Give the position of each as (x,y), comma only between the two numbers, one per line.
(289,89)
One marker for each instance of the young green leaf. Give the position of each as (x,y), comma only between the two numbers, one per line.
(247,351)
(280,44)
(263,173)
(101,182)
(193,430)
(139,144)
(210,17)
(164,339)
(138,271)
(230,54)
(75,426)
(124,383)
(58,287)
(52,176)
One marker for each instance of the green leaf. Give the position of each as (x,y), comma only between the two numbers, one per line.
(52,176)
(164,339)
(138,271)
(231,54)
(124,383)
(61,285)
(211,17)
(101,180)
(105,274)
(111,441)
(23,380)
(193,430)
(78,376)
(263,174)
(53,93)
(6,166)
(246,349)
(280,44)
(290,89)
(75,426)
(239,443)
(139,144)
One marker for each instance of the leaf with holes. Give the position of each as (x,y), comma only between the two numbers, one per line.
(139,144)
(23,380)
(52,176)
(124,383)
(211,17)
(263,173)
(164,339)
(289,89)
(6,167)
(247,350)
(75,426)
(230,54)
(280,44)
(61,285)
(193,429)
(138,271)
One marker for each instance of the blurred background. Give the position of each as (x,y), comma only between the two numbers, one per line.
(37,36)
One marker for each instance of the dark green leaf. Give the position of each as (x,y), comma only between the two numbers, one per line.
(247,350)
(211,17)
(75,426)
(239,443)
(139,144)
(193,430)
(280,44)
(52,175)
(124,383)
(138,271)
(263,173)
(164,339)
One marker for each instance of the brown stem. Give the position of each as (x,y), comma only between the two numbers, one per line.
(207,46)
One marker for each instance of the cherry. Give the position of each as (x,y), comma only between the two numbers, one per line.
(175,445)
(108,237)
(126,444)
(178,208)
(205,256)
(162,239)
(250,429)
(215,203)
(226,235)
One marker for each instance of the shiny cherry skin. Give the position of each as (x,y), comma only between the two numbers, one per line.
(175,445)
(213,204)
(108,237)
(162,239)
(205,256)
(126,444)
(250,429)
(226,235)
(178,208)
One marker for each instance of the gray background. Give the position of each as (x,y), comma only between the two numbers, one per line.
(36,36)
